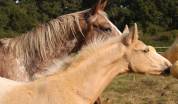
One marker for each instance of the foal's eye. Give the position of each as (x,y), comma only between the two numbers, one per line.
(146,50)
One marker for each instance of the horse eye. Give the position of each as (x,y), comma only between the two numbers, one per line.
(107,29)
(95,26)
(146,50)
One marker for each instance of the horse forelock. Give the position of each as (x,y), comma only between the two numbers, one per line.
(44,39)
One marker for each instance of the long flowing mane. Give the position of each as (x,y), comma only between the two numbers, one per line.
(45,38)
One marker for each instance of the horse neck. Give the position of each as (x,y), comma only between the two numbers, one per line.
(91,76)
(48,41)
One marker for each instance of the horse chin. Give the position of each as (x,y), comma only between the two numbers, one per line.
(163,73)
(155,72)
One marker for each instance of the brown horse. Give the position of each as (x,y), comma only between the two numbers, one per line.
(88,74)
(45,46)
(172,52)
(172,55)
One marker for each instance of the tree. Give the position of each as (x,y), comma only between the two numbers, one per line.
(152,15)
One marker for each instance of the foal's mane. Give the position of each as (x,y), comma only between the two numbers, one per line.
(45,38)
(97,44)
(96,49)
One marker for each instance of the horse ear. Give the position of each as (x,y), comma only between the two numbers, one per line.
(103,4)
(126,30)
(135,32)
(131,37)
(100,5)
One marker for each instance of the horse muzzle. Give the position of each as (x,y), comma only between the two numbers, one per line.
(167,71)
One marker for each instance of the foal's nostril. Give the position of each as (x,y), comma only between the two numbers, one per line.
(167,71)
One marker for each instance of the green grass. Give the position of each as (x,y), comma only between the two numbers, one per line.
(142,89)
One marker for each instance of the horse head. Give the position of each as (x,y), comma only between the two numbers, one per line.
(142,58)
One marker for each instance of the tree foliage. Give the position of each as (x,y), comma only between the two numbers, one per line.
(152,15)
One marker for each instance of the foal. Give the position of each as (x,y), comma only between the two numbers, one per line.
(89,74)
(42,48)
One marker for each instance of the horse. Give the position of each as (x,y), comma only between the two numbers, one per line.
(152,48)
(174,70)
(43,47)
(172,52)
(84,79)
(172,55)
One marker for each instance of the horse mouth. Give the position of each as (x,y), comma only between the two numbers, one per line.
(165,72)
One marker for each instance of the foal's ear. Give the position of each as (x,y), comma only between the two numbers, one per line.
(100,5)
(131,37)
(126,30)
(135,32)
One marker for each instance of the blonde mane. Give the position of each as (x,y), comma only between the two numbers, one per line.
(45,38)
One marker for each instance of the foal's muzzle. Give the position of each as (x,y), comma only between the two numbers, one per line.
(166,71)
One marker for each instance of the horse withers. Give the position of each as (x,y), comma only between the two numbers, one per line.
(88,74)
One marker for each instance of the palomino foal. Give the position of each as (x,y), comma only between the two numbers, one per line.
(88,74)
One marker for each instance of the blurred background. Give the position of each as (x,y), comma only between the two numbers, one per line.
(158,26)
(157,19)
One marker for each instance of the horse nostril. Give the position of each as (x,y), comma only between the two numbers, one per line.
(167,71)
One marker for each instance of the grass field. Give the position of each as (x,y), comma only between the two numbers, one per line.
(142,89)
